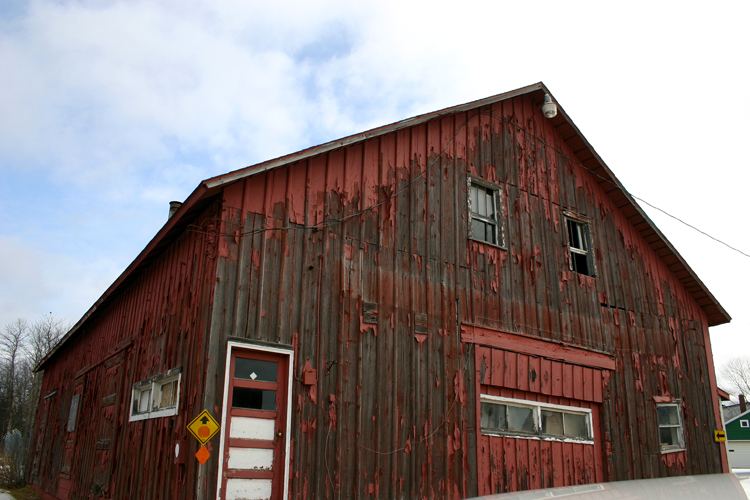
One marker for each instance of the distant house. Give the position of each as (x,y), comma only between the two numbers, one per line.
(738,441)
(461,303)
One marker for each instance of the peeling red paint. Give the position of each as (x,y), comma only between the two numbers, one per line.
(459,388)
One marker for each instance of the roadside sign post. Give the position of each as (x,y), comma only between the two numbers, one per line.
(203,428)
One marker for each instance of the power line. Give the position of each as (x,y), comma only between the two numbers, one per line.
(690,226)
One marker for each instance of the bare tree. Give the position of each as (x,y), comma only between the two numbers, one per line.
(44,334)
(736,375)
(12,345)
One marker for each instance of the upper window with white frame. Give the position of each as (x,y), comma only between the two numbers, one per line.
(579,246)
(745,424)
(485,209)
(670,427)
(530,419)
(158,396)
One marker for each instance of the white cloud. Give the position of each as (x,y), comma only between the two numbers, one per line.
(110,109)
(33,282)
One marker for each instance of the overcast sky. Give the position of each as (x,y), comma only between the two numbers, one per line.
(110,109)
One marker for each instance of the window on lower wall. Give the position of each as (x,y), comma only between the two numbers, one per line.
(485,202)
(158,396)
(520,418)
(670,427)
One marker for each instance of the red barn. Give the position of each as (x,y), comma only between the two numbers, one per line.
(462,303)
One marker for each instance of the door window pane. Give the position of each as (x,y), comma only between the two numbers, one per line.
(255,369)
(253,399)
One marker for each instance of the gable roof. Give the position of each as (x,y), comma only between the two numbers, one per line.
(565,128)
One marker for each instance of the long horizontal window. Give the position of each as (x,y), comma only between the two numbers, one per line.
(517,417)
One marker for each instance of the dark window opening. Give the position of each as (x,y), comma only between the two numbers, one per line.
(253,399)
(581,257)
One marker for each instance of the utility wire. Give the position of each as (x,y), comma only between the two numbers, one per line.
(690,226)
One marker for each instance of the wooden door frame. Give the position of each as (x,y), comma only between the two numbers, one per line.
(250,346)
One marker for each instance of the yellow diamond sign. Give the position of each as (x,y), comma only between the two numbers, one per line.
(203,427)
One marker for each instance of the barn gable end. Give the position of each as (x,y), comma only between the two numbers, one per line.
(409,281)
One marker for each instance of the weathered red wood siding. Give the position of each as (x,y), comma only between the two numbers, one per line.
(390,414)
(157,322)
(304,249)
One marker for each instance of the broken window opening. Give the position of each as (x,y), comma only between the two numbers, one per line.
(579,246)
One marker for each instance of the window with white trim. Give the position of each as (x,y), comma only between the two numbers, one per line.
(521,418)
(485,209)
(579,246)
(745,423)
(158,396)
(670,427)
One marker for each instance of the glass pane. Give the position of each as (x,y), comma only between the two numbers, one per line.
(552,423)
(576,235)
(581,236)
(490,233)
(668,415)
(575,425)
(490,204)
(493,417)
(521,419)
(580,264)
(168,394)
(254,369)
(668,436)
(253,399)
(474,198)
(482,204)
(477,229)
(145,398)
